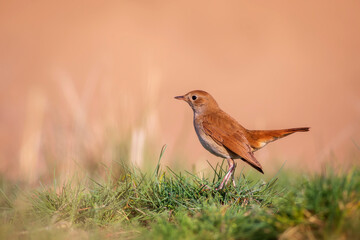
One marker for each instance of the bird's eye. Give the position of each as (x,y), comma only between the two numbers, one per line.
(194,97)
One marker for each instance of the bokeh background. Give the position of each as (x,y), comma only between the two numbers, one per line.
(86,83)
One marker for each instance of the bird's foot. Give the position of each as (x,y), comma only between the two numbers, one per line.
(220,187)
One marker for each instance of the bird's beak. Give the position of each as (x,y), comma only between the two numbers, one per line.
(180,98)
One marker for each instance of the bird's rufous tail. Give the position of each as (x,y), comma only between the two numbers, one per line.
(259,138)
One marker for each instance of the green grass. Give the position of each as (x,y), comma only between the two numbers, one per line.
(165,204)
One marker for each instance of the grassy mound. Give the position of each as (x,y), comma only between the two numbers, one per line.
(169,205)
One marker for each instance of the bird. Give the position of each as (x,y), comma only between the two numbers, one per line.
(223,136)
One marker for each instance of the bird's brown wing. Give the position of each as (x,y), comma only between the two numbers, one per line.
(225,132)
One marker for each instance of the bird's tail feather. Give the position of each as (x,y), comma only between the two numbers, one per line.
(259,138)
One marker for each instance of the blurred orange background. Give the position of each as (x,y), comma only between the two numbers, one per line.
(87,82)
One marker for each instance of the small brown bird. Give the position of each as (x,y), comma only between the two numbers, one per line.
(223,136)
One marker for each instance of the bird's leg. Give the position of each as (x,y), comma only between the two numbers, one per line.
(228,174)
(233,173)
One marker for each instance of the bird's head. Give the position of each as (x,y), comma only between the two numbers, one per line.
(200,101)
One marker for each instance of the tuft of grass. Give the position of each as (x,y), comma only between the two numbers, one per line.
(135,196)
